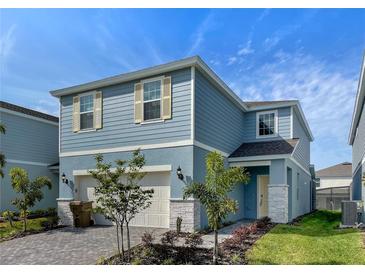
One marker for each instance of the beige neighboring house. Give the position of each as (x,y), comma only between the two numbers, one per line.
(333,185)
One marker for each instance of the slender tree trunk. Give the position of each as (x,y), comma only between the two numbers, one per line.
(122,238)
(215,251)
(117,225)
(128,241)
(25,223)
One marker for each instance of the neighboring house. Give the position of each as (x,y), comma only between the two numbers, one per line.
(333,186)
(357,140)
(177,113)
(30,142)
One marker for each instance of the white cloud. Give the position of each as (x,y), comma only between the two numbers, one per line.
(246,50)
(199,35)
(7,43)
(232,60)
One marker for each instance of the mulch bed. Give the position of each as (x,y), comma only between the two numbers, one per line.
(160,254)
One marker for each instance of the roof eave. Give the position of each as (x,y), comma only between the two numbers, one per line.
(360,98)
(195,61)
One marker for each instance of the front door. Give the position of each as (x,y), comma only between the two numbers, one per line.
(263,201)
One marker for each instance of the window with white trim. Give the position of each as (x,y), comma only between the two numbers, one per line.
(152,100)
(266,124)
(86,112)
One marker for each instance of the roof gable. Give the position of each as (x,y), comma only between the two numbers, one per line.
(339,170)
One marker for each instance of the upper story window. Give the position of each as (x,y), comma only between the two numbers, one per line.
(266,124)
(152,100)
(86,112)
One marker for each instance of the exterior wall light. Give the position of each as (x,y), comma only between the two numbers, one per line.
(179,173)
(64,179)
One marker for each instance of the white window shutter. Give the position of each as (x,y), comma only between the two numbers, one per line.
(76,114)
(98,110)
(138,103)
(166,98)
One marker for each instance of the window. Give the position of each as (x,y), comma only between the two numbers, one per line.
(152,100)
(266,124)
(86,112)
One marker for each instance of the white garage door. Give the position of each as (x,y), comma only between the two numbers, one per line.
(157,215)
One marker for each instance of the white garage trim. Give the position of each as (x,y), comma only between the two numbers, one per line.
(156,168)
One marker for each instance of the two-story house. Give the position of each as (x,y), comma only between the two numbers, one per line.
(30,142)
(357,140)
(177,113)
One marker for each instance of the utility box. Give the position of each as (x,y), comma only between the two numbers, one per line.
(81,213)
(351,213)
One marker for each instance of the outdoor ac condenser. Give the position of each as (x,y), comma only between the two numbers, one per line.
(351,213)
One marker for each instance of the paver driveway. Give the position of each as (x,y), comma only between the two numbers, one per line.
(67,245)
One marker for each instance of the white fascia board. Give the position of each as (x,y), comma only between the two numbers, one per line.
(249,164)
(209,148)
(16,113)
(359,103)
(126,148)
(302,116)
(258,158)
(155,168)
(12,161)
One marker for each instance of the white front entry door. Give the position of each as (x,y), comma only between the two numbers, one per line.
(156,215)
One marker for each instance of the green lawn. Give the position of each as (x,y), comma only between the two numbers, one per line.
(32,225)
(315,240)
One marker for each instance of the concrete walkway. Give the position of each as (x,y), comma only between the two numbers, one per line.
(67,245)
(223,233)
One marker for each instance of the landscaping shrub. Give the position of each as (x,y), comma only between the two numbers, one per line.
(263,222)
(168,261)
(169,237)
(252,228)
(147,239)
(8,215)
(193,240)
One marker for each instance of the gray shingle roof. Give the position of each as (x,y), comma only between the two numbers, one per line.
(340,170)
(265,148)
(28,111)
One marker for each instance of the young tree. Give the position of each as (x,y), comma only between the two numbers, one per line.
(119,197)
(213,193)
(136,198)
(31,191)
(108,192)
(2,156)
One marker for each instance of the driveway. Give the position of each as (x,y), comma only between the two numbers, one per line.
(68,245)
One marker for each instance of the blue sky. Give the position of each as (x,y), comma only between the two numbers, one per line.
(262,54)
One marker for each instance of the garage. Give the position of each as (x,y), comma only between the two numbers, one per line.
(157,215)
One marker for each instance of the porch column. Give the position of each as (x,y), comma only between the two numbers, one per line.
(278,192)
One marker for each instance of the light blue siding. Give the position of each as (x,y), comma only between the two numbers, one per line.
(283,126)
(199,172)
(179,156)
(358,146)
(8,194)
(301,204)
(356,184)
(302,151)
(218,121)
(119,128)
(29,140)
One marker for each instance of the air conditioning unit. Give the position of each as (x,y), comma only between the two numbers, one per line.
(351,213)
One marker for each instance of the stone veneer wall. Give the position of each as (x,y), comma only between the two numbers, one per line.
(188,210)
(64,212)
(278,203)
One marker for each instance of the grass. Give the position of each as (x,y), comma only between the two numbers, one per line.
(6,231)
(316,239)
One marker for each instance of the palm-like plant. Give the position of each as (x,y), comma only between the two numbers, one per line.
(213,193)
(2,156)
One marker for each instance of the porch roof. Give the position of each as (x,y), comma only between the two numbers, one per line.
(265,148)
